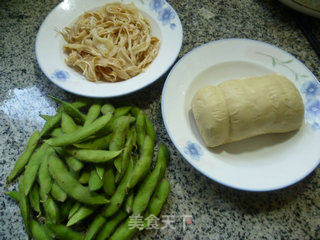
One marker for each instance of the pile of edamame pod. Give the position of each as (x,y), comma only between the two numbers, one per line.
(86,175)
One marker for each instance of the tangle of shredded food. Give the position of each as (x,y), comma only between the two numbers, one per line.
(113,43)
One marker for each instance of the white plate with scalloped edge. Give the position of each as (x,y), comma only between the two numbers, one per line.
(165,24)
(261,163)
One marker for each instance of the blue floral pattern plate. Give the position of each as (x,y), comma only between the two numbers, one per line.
(260,163)
(165,24)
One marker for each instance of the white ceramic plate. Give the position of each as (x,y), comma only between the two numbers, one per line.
(309,7)
(261,163)
(165,25)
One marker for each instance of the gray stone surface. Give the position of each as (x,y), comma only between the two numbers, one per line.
(217,212)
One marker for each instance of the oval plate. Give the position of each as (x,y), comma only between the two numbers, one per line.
(261,163)
(165,25)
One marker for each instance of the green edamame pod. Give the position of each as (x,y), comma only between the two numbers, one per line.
(126,154)
(80,104)
(111,224)
(94,227)
(32,167)
(92,114)
(143,164)
(67,123)
(44,177)
(141,128)
(80,214)
(50,207)
(84,177)
(158,198)
(107,108)
(118,197)
(98,143)
(14,195)
(57,132)
(73,163)
(100,171)
(45,117)
(34,198)
(95,182)
(124,231)
(135,111)
(149,128)
(50,124)
(38,231)
(118,137)
(129,203)
(70,185)
(65,209)
(74,209)
(81,133)
(121,111)
(57,193)
(71,110)
(24,207)
(25,156)
(94,156)
(109,185)
(64,233)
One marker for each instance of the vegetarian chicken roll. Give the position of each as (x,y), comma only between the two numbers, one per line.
(247,107)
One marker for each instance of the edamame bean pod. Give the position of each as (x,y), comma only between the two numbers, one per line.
(73,163)
(80,214)
(143,164)
(127,150)
(92,114)
(95,182)
(65,208)
(100,171)
(84,177)
(57,132)
(57,193)
(118,197)
(158,198)
(25,156)
(141,128)
(94,156)
(67,123)
(145,191)
(109,185)
(107,108)
(71,110)
(121,111)
(94,227)
(135,111)
(129,203)
(45,117)
(74,209)
(14,195)
(98,143)
(80,104)
(24,207)
(44,177)
(50,124)
(149,128)
(111,224)
(64,233)
(70,185)
(81,133)
(124,231)
(38,231)
(50,207)
(32,167)
(34,198)
(118,137)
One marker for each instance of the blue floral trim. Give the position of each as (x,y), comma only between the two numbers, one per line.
(165,13)
(60,75)
(311,89)
(193,150)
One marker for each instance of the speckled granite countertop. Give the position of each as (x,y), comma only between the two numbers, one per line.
(217,212)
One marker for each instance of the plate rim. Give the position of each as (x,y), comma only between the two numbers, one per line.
(110,95)
(187,158)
